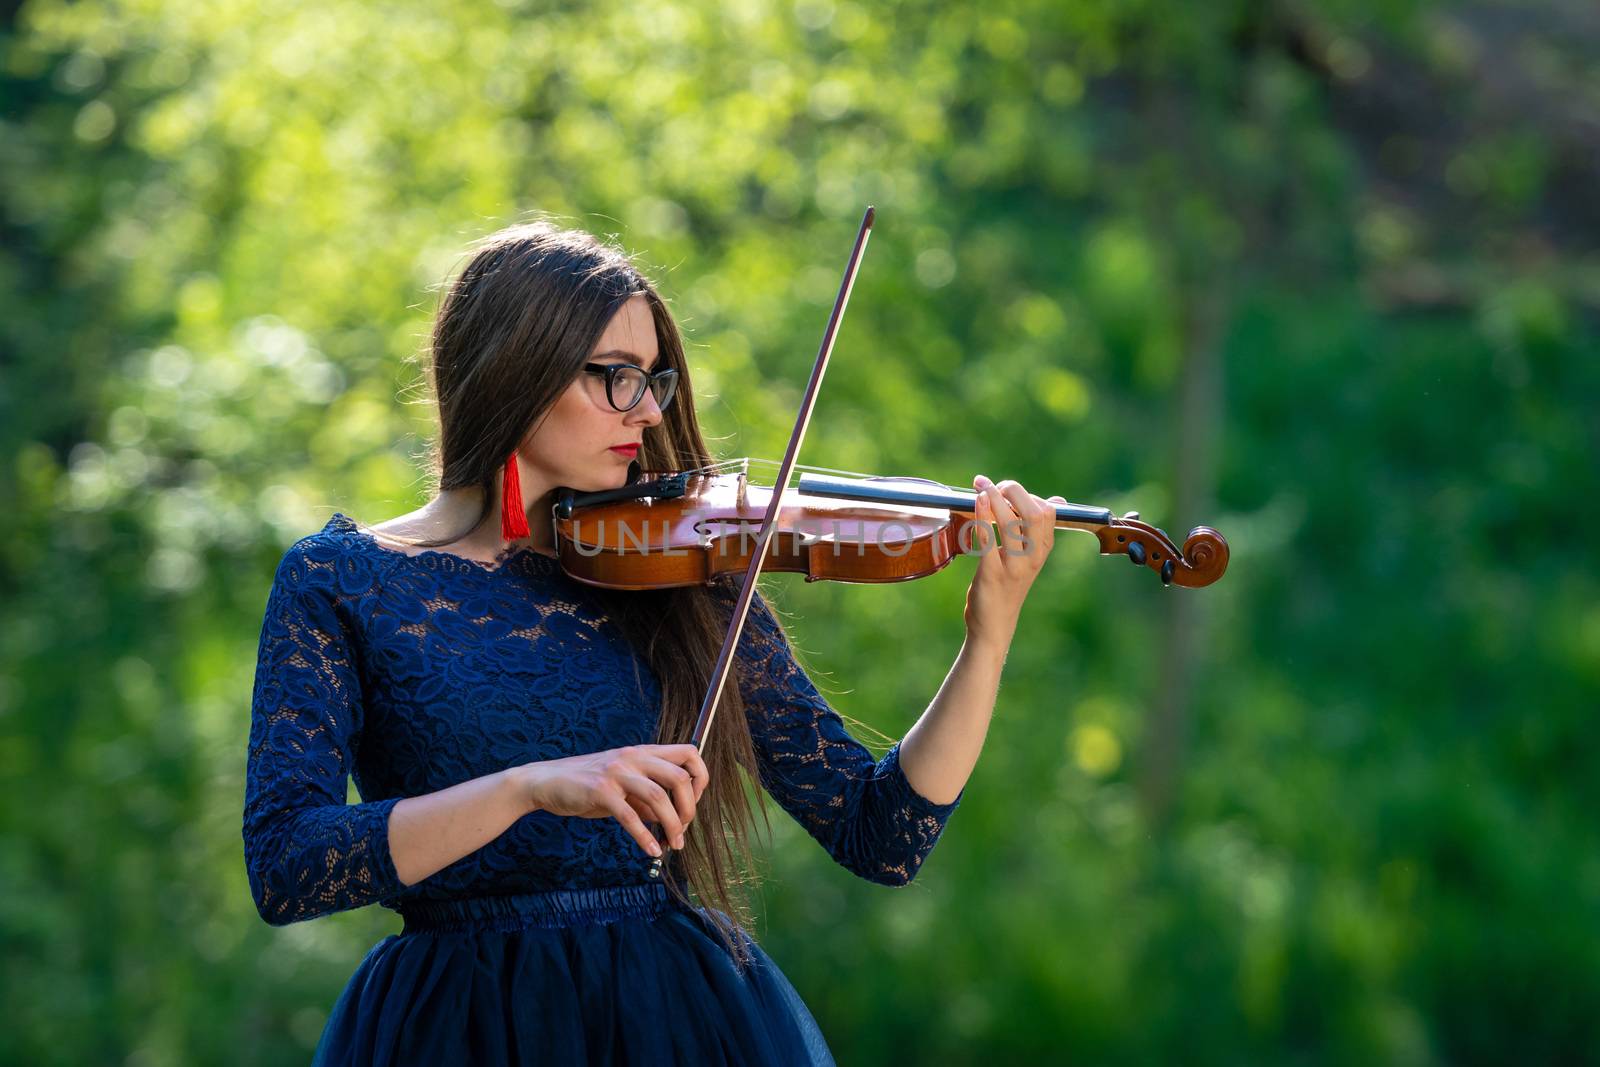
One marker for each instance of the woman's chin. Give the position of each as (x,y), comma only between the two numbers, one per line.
(597,482)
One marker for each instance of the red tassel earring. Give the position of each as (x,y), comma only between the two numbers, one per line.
(513,520)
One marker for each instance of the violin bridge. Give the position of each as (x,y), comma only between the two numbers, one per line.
(741,500)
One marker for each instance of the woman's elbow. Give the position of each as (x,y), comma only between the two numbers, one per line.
(893,875)
(271,887)
(275,909)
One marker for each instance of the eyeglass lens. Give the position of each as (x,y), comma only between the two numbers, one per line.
(628,386)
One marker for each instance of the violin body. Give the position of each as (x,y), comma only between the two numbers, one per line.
(713,529)
(690,529)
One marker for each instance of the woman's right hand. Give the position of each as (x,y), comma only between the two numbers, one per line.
(634,785)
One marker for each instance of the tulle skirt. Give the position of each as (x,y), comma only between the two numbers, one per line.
(616,975)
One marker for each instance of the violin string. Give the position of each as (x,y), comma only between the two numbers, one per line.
(745,462)
(812,468)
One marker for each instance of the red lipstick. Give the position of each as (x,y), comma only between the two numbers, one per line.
(626,450)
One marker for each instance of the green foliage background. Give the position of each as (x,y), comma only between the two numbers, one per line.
(1321,276)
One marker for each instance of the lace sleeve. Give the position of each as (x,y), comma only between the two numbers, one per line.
(863,811)
(307,851)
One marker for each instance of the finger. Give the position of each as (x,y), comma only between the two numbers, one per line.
(658,807)
(1012,520)
(1041,523)
(997,511)
(1028,507)
(678,782)
(702,774)
(999,507)
(647,815)
(688,757)
(642,788)
(978,536)
(695,764)
(1055,502)
(623,812)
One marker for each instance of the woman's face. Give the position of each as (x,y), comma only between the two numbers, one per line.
(575,445)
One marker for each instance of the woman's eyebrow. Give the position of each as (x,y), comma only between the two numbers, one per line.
(631,357)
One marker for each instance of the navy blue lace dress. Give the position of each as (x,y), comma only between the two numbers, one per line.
(412,672)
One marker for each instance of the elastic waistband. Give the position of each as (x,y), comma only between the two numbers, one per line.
(557,908)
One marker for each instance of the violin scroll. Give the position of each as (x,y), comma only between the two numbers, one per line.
(1201,561)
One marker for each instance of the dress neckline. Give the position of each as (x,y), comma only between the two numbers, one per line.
(530,558)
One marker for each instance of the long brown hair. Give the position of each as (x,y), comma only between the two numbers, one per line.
(512,331)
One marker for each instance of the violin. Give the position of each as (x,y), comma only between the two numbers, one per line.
(672,529)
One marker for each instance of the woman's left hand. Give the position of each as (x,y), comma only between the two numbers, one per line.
(1027,533)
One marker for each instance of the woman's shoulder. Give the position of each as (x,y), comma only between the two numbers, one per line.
(342,535)
(409,549)
(326,559)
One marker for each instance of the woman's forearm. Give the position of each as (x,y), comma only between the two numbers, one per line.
(430,832)
(939,752)
(941,748)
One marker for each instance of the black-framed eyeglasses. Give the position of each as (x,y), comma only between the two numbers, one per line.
(625,384)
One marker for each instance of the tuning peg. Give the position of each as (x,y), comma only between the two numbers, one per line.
(1168,569)
(1136,553)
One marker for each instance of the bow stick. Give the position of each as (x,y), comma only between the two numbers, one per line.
(741,608)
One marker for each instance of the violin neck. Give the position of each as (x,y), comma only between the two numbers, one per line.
(913,493)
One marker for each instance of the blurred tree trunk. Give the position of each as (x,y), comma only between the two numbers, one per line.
(1194,471)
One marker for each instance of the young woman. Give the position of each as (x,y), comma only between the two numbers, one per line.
(513,732)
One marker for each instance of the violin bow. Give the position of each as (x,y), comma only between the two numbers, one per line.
(741,608)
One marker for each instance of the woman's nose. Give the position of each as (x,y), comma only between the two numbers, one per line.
(646,411)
